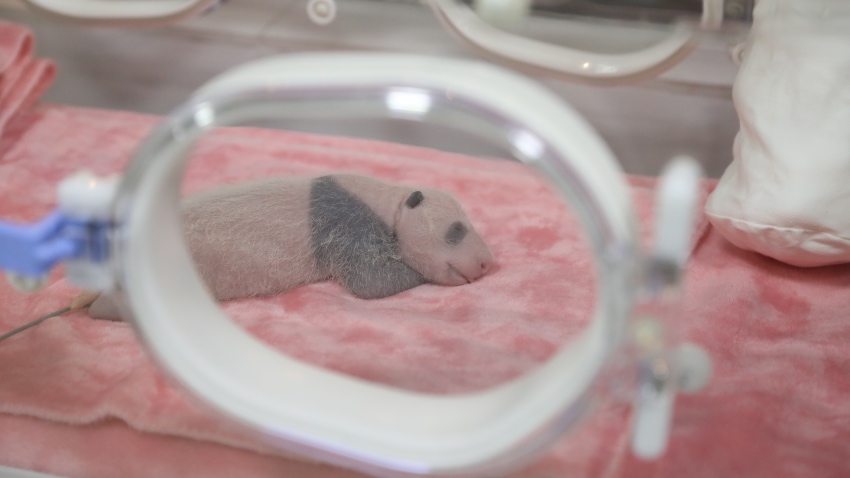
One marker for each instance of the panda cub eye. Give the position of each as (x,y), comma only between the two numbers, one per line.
(457,231)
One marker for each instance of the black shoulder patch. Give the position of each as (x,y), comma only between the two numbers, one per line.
(353,245)
(414,199)
(457,231)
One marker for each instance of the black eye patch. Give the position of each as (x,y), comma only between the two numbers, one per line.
(414,199)
(457,231)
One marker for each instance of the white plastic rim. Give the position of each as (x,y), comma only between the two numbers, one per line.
(507,14)
(325,414)
(548,59)
(123,12)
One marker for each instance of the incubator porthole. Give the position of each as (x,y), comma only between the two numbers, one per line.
(523,257)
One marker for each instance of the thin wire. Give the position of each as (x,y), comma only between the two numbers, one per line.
(33,323)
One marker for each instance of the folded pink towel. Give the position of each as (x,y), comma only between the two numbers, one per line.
(23,79)
(16,44)
(80,398)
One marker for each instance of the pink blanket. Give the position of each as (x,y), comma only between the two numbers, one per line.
(80,398)
(23,78)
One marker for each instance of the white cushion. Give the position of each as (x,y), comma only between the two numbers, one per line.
(787,192)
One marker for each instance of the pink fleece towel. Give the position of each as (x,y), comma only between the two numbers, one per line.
(80,398)
(23,79)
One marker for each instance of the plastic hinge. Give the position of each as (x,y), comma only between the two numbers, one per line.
(77,233)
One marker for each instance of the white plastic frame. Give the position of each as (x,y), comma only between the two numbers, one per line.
(123,12)
(563,62)
(338,418)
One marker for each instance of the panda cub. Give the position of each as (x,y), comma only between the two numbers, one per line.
(375,238)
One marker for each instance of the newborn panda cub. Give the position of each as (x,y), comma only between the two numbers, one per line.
(376,239)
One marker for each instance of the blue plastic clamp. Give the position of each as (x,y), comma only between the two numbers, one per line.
(31,250)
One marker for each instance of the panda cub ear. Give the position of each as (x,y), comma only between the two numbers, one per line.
(414,199)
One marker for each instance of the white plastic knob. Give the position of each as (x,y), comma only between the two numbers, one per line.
(693,366)
(676,209)
(321,12)
(87,197)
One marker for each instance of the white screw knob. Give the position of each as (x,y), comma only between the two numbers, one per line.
(321,12)
(87,197)
(693,367)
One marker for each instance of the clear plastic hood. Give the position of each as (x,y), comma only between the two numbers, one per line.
(334,417)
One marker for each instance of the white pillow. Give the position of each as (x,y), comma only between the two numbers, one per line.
(787,192)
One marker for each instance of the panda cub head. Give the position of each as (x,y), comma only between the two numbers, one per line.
(437,239)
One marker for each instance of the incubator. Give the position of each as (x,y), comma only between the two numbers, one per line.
(122,234)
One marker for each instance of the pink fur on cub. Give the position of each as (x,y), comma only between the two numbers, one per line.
(377,239)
